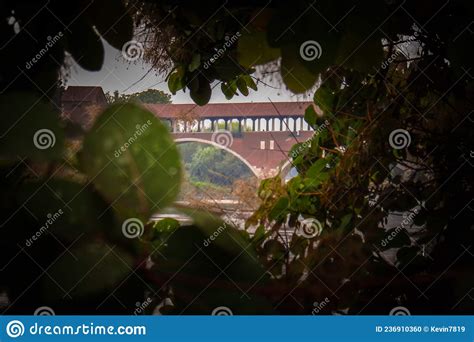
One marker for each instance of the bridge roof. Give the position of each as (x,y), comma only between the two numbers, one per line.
(229,110)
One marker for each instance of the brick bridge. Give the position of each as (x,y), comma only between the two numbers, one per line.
(259,134)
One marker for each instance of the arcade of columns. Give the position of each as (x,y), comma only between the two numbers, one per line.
(262,124)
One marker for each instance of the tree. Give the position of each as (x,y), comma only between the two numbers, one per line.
(394,93)
(147,96)
(114,97)
(217,166)
(151,96)
(394,81)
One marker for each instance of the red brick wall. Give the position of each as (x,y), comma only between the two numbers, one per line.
(248,146)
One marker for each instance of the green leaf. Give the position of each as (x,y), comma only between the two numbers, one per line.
(166,225)
(29,128)
(195,62)
(192,262)
(310,116)
(360,48)
(345,220)
(295,75)
(278,33)
(317,167)
(64,208)
(200,91)
(131,158)
(86,269)
(229,89)
(259,234)
(242,85)
(229,238)
(249,81)
(175,81)
(253,49)
(324,98)
(279,209)
(226,68)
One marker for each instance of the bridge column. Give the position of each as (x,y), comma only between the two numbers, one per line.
(294,124)
(253,125)
(240,125)
(301,124)
(266,124)
(199,125)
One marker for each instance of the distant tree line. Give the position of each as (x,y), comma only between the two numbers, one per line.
(147,96)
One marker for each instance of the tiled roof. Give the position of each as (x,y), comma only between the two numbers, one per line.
(83,94)
(220,110)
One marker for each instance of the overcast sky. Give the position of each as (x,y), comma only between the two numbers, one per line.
(119,74)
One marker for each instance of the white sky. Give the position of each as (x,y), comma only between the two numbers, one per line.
(119,74)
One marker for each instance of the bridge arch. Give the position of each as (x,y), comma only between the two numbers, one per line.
(286,167)
(219,146)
